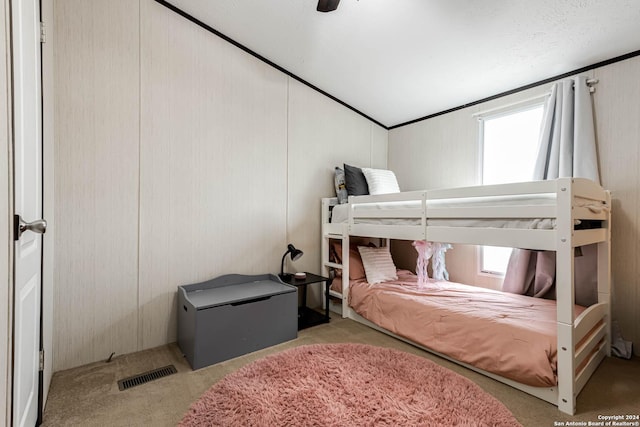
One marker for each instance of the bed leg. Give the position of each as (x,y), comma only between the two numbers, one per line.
(566,370)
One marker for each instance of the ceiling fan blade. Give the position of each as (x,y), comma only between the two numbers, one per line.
(327,5)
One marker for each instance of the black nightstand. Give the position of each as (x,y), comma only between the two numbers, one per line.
(306,316)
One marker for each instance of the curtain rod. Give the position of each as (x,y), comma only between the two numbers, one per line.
(590,84)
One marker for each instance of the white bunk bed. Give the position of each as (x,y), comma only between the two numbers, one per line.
(468,216)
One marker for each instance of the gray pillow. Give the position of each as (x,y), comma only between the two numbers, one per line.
(341,188)
(355,180)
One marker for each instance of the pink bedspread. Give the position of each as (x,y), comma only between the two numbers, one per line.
(511,335)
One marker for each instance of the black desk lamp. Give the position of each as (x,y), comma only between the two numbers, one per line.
(296,254)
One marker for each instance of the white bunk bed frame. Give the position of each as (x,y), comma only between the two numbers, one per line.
(592,325)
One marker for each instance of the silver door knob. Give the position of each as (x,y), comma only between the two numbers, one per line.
(38,226)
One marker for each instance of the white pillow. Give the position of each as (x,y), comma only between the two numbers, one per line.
(378,265)
(381,181)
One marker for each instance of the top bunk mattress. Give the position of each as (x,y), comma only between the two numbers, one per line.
(511,335)
(340,213)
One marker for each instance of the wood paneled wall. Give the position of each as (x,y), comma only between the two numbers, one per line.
(617,113)
(213,165)
(322,136)
(97,108)
(443,152)
(178,158)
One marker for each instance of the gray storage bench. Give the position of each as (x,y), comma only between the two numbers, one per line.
(233,315)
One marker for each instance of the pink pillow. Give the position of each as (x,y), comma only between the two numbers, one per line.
(356,269)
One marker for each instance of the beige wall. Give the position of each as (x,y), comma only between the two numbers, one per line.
(617,112)
(213,161)
(97,107)
(322,136)
(6,218)
(443,152)
(178,158)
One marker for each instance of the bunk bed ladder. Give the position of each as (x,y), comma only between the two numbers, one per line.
(327,266)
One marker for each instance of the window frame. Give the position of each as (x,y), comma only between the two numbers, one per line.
(490,114)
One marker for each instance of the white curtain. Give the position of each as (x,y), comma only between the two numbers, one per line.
(567,145)
(567,148)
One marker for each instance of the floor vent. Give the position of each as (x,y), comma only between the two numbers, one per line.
(146,377)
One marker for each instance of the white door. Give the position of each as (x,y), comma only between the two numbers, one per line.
(28,205)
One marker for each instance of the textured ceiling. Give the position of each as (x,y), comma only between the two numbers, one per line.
(399,60)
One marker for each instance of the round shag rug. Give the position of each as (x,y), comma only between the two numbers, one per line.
(346,385)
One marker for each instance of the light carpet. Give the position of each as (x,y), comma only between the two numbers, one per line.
(346,385)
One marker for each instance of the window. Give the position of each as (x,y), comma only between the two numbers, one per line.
(509,143)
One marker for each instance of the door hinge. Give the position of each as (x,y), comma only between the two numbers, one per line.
(43,34)
(42,360)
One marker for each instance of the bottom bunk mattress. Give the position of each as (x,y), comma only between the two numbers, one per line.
(510,335)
